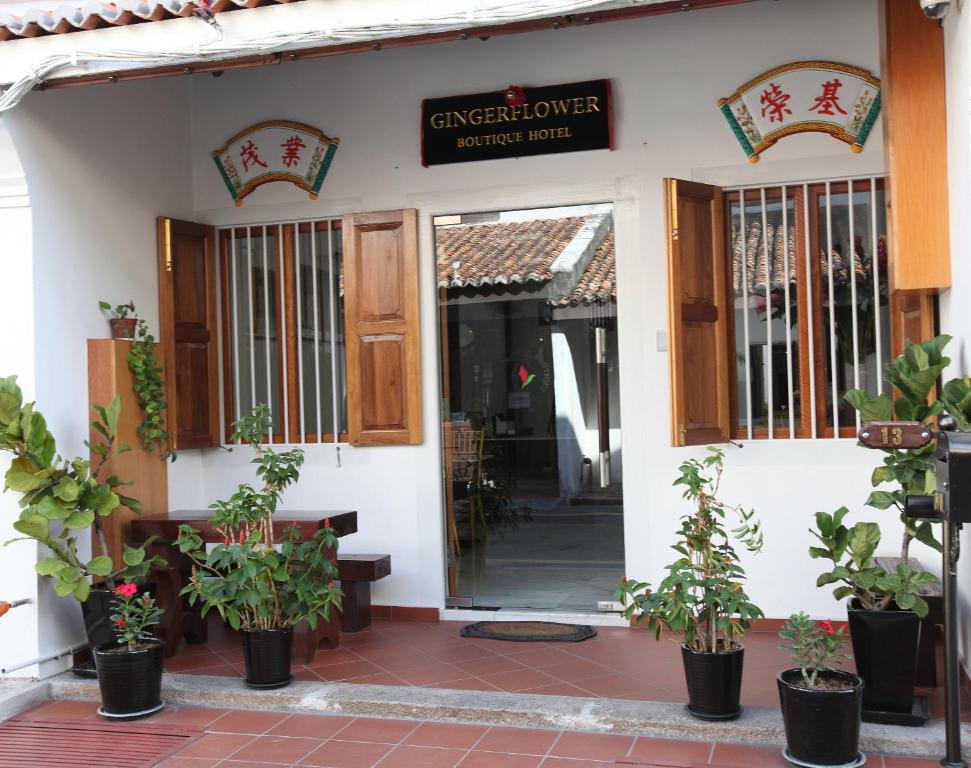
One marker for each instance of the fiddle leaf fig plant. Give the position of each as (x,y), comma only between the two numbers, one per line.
(851,552)
(150,389)
(702,597)
(63,498)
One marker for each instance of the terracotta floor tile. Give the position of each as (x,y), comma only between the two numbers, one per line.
(490,665)
(347,670)
(565,762)
(455,735)
(436,672)
(455,653)
(421,757)
(576,669)
(188,762)
(244,721)
(611,686)
(592,746)
(305,674)
(278,749)
(325,657)
(194,716)
(215,745)
(520,680)
(672,750)
(193,662)
(910,762)
(381,678)
(406,660)
(378,731)
(346,754)
(383,650)
(557,689)
(539,657)
(311,726)
(477,759)
(745,756)
(220,670)
(66,709)
(524,741)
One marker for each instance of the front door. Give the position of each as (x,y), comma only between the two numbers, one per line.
(532,459)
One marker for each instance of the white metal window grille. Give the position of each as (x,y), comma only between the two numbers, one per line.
(283,343)
(809,297)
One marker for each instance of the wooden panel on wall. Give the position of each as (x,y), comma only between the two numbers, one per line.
(108,376)
(187,333)
(911,317)
(914,122)
(698,322)
(381,322)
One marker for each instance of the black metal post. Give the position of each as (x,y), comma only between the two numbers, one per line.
(951,534)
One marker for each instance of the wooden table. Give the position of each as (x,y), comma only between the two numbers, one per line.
(181,620)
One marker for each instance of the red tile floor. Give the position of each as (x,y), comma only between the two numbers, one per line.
(248,739)
(619,663)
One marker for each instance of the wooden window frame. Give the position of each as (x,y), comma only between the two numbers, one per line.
(285,288)
(795,191)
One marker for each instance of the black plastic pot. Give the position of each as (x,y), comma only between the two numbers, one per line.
(130,681)
(266,654)
(714,683)
(98,627)
(885,650)
(822,726)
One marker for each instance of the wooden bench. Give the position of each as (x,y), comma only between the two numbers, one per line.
(356,572)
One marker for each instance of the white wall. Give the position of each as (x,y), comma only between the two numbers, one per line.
(101,164)
(667,74)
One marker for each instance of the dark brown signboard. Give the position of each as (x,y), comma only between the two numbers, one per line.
(895,434)
(517,122)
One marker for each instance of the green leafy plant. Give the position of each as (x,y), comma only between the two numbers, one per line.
(61,497)
(133,614)
(913,375)
(814,646)
(851,552)
(250,582)
(702,597)
(119,311)
(150,389)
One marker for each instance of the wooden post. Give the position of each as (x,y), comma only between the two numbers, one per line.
(108,376)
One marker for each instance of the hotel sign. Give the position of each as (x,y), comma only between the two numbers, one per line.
(517,122)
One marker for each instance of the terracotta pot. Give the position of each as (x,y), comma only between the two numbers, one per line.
(123,327)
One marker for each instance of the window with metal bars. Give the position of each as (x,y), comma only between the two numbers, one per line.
(810,319)
(282,327)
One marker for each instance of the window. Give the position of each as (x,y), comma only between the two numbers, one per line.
(808,305)
(283,327)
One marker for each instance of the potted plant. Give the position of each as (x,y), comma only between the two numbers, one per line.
(150,389)
(122,326)
(884,613)
(821,705)
(261,589)
(887,613)
(63,499)
(130,668)
(702,597)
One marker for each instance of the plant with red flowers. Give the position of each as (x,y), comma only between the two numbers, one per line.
(133,614)
(813,645)
(254,581)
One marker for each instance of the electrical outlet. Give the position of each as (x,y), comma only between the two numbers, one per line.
(609,606)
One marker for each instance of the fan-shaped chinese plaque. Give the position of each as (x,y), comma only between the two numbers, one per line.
(277,150)
(806,96)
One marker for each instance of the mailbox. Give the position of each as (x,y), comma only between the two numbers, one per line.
(954,476)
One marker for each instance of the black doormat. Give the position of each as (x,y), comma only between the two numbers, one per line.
(530,631)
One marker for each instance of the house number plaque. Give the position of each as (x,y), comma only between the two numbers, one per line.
(895,434)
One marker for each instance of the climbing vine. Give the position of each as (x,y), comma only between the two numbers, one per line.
(150,389)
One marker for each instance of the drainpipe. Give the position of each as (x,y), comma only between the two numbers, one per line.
(41,659)
(603,413)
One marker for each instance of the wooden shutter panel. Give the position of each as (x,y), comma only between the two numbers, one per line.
(698,321)
(381,328)
(187,335)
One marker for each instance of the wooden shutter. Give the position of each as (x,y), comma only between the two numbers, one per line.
(381,328)
(187,335)
(698,322)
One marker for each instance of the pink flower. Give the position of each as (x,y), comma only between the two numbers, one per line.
(126,590)
(326,522)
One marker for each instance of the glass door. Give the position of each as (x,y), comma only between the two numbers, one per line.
(532,459)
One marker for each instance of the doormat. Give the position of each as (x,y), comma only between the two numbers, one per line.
(529,631)
(83,744)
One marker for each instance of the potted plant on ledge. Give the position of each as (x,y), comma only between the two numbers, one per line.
(261,589)
(821,705)
(130,668)
(702,597)
(122,326)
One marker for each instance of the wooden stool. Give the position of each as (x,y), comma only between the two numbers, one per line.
(356,572)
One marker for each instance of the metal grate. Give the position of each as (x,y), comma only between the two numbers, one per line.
(79,744)
(810,297)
